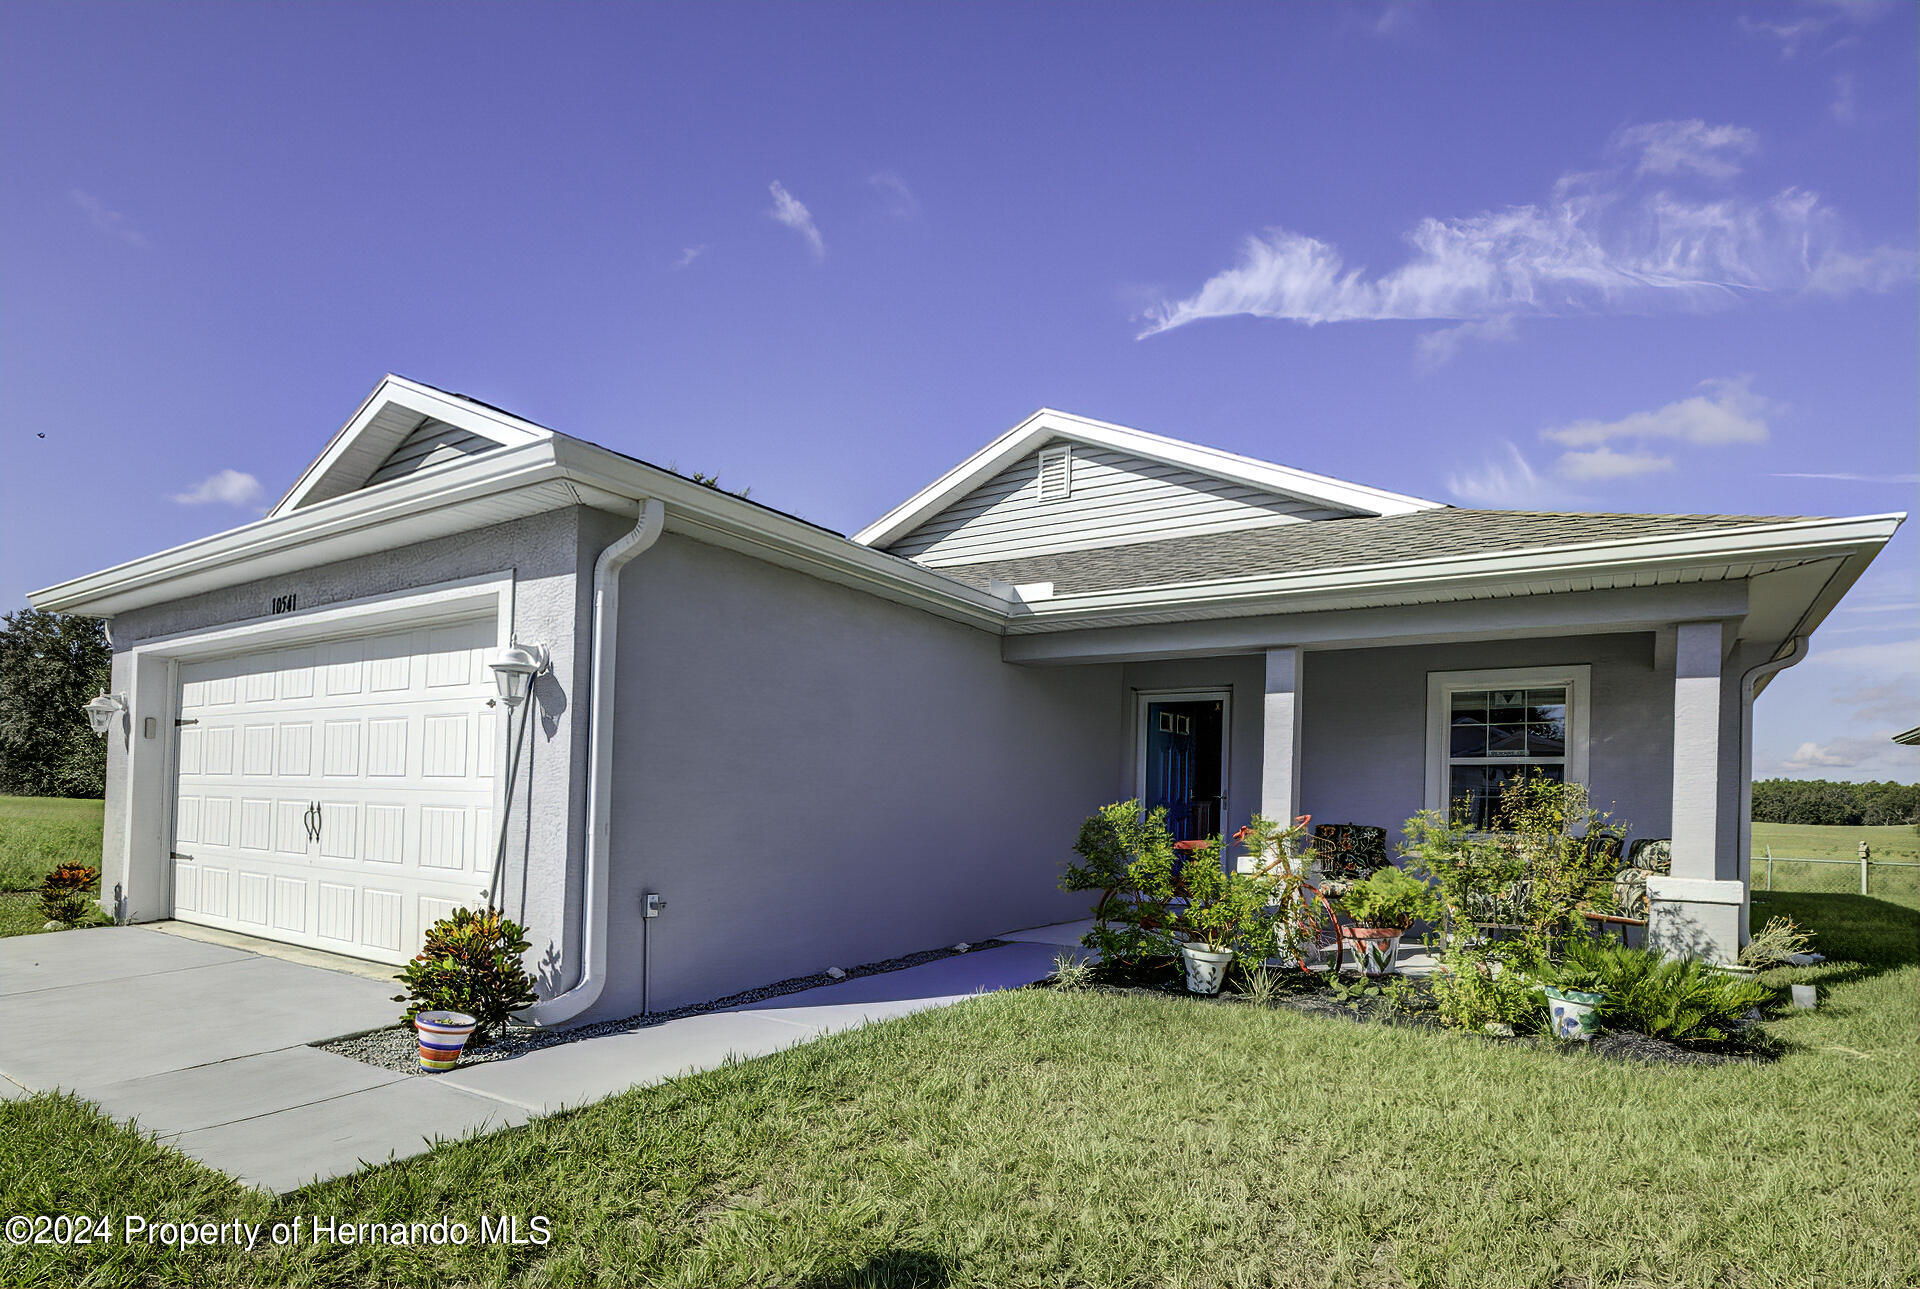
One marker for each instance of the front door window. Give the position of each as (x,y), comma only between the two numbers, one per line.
(1183,765)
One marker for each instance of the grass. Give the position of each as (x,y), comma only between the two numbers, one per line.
(38,834)
(1821,841)
(1899,844)
(1052,1138)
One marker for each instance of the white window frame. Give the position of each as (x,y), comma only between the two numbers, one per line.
(1441,685)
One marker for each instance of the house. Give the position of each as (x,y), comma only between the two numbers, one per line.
(759,747)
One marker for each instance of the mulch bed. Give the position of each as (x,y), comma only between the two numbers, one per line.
(1312,993)
(396,1048)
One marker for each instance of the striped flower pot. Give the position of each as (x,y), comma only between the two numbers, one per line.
(442,1036)
(1376,949)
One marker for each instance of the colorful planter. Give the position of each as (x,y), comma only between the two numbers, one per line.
(442,1037)
(1575,1013)
(1376,949)
(1206,968)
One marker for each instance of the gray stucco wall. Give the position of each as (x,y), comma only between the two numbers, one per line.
(815,777)
(544,553)
(1365,714)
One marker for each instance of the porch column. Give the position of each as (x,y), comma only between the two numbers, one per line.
(1280,736)
(1695,914)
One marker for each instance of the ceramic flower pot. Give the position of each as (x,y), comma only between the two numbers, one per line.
(1376,949)
(443,1035)
(1206,968)
(1575,1013)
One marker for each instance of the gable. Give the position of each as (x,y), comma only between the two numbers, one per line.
(402,428)
(1074,495)
(431,443)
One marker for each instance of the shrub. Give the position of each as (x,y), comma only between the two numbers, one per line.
(470,962)
(1153,898)
(1071,971)
(66,896)
(1389,898)
(1477,986)
(1681,1000)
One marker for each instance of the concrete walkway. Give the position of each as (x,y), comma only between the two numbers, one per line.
(206,1046)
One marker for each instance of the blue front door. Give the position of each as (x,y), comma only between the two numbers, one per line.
(1184,770)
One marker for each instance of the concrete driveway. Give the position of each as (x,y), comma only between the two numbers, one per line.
(206,1046)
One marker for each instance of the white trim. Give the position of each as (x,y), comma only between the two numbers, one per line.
(1144,698)
(1578,679)
(398,391)
(1694,890)
(442,601)
(1047,424)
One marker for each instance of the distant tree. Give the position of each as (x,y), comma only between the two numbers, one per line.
(1822,801)
(50,665)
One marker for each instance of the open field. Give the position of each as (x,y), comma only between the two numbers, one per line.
(1045,1138)
(1896,845)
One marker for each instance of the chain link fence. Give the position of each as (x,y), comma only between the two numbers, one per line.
(1880,877)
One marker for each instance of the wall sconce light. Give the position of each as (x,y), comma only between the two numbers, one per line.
(515,668)
(102,711)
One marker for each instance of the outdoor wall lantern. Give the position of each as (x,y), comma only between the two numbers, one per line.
(102,711)
(514,671)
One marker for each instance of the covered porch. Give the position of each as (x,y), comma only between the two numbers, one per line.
(1651,714)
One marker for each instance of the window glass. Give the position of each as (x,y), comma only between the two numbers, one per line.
(1496,735)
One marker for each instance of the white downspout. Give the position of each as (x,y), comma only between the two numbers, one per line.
(593,902)
(1744,834)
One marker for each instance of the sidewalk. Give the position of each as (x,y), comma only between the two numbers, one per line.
(207,1047)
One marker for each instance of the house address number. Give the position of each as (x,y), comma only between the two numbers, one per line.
(285,603)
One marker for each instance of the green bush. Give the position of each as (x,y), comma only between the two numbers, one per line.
(1681,1000)
(1389,898)
(1152,898)
(470,962)
(66,895)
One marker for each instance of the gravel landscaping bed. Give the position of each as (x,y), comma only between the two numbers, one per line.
(395,1048)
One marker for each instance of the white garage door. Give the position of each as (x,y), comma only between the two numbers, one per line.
(338,795)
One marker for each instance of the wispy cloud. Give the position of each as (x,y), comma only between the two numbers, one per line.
(108,220)
(896,199)
(792,212)
(1606,241)
(226,487)
(1797,28)
(1845,107)
(1687,147)
(1727,412)
(1434,349)
(1398,17)
(688,254)
(1507,481)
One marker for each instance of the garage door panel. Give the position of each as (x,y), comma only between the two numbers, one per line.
(390,737)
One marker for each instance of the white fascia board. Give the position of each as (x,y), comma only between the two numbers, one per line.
(1047,424)
(157,577)
(1717,549)
(507,430)
(719,517)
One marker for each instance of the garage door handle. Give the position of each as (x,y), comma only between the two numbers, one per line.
(319,820)
(312,825)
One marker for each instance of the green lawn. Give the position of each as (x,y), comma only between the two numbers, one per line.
(1818,841)
(1899,844)
(1042,1138)
(38,834)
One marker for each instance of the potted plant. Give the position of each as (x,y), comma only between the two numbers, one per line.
(1381,909)
(1575,995)
(443,1035)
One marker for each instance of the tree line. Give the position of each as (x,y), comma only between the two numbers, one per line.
(1822,801)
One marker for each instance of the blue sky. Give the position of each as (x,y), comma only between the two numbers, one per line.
(1614,257)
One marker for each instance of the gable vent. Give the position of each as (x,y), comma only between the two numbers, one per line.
(1056,473)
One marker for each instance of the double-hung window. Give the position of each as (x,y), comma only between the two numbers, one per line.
(1485,728)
